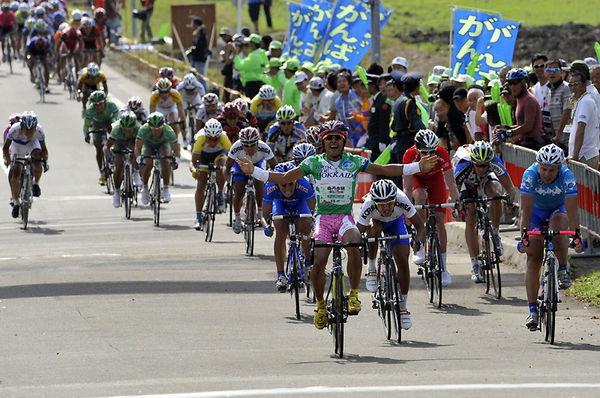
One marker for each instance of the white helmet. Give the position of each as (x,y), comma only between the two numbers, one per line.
(213,128)
(93,70)
(426,139)
(210,99)
(190,82)
(267,92)
(76,15)
(550,155)
(86,23)
(242,105)
(249,135)
(383,191)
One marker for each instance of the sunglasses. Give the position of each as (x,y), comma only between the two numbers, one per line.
(288,184)
(538,66)
(286,123)
(574,84)
(333,137)
(249,145)
(427,153)
(552,70)
(481,165)
(514,82)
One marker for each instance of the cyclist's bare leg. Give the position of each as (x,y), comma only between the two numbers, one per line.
(118,174)
(14,179)
(493,188)
(199,196)
(145,170)
(471,229)
(220,174)
(172,117)
(400,253)
(560,222)
(354,258)
(420,197)
(303,226)
(260,190)
(99,152)
(317,275)
(85,94)
(46,70)
(166,168)
(282,230)
(239,190)
(441,230)
(535,255)
(374,232)
(36,164)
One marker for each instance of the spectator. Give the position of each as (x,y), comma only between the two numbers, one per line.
(254,12)
(274,76)
(528,131)
(558,103)
(200,51)
(267,6)
(541,91)
(265,42)
(378,128)
(253,66)
(394,86)
(583,126)
(461,81)
(347,105)
(502,74)
(319,100)
(450,124)
(476,131)
(309,69)
(275,49)
(301,81)
(113,20)
(291,94)
(595,76)
(400,63)
(146,34)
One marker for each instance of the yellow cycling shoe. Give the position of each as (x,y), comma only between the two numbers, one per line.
(320,319)
(102,180)
(354,304)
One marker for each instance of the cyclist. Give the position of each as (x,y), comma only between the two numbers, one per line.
(191,91)
(7,27)
(232,121)
(20,17)
(39,47)
(75,19)
(244,108)
(89,81)
(336,173)
(92,41)
(69,42)
(312,137)
(134,104)
(257,151)
(156,136)
(99,116)
(211,146)
(209,109)
(431,188)
(24,137)
(166,100)
(548,200)
(14,118)
(296,197)
(300,152)
(382,211)
(122,137)
(100,23)
(264,105)
(166,73)
(28,30)
(285,133)
(481,173)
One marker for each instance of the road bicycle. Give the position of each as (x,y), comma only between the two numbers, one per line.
(431,270)
(173,125)
(9,53)
(39,77)
(211,207)
(26,192)
(155,186)
(70,81)
(128,189)
(489,255)
(249,218)
(228,192)
(550,297)
(191,124)
(337,297)
(388,296)
(297,275)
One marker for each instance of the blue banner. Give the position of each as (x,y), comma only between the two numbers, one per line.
(487,34)
(308,24)
(349,36)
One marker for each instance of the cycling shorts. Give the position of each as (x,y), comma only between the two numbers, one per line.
(69,47)
(6,30)
(197,100)
(238,174)
(23,150)
(121,145)
(327,225)
(435,187)
(150,149)
(395,227)
(207,158)
(167,111)
(280,207)
(541,218)
(90,45)
(473,191)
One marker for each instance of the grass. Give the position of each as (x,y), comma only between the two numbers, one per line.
(587,288)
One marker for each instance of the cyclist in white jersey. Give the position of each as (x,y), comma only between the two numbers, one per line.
(209,109)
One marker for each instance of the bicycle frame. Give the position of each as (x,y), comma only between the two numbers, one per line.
(25,193)
(250,213)
(210,204)
(155,187)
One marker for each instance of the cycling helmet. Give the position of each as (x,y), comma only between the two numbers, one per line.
(213,128)
(14,118)
(285,114)
(97,96)
(284,167)
(5,7)
(58,15)
(156,119)
(230,110)
(14,6)
(333,127)
(383,191)
(63,26)
(190,82)
(30,23)
(167,72)
(99,12)
(29,119)
(482,152)
(39,11)
(242,105)
(426,139)
(54,3)
(249,135)
(516,74)
(86,23)
(210,99)
(164,85)
(41,26)
(312,135)
(134,103)
(24,7)
(128,120)
(267,92)
(93,70)
(550,155)
(76,15)
(85,14)
(303,150)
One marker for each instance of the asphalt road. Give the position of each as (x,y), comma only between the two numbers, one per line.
(96,305)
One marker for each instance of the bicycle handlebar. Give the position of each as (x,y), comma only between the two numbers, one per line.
(388,237)
(290,217)
(488,199)
(436,206)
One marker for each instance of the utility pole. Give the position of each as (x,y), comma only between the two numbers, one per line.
(375,31)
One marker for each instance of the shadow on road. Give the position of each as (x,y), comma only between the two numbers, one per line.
(359,359)
(416,344)
(513,301)
(135,287)
(45,231)
(460,310)
(565,345)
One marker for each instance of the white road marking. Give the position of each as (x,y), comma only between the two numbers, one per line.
(369,389)
(121,222)
(80,255)
(103,197)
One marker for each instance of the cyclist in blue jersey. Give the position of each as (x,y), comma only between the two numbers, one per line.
(284,134)
(297,197)
(548,199)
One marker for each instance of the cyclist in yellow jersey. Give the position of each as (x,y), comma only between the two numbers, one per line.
(90,80)
(166,100)
(211,146)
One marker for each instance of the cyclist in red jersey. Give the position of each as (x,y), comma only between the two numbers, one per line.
(70,43)
(92,45)
(431,188)
(100,23)
(168,73)
(232,121)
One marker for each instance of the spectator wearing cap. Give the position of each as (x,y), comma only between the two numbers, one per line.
(595,76)
(407,118)
(365,106)
(274,75)
(199,51)
(400,63)
(502,74)
(253,66)
(301,81)
(378,128)
(254,12)
(275,49)
(113,20)
(317,102)
(558,102)
(394,86)
(225,34)
(232,75)
(347,106)
(583,125)
(291,94)
(541,90)
(309,69)
(590,61)
(462,80)
(265,41)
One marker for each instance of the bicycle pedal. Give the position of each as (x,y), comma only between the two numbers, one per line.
(420,271)
(352,313)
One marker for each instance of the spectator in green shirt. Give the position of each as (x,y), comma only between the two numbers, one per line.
(253,66)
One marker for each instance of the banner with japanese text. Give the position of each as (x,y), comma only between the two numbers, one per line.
(349,36)
(308,24)
(485,34)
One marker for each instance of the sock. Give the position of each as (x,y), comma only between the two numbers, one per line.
(562,267)
(372,267)
(198,215)
(444,262)
(533,308)
(321,304)
(279,273)
(474,261)
(354,292)
(238,216)
(403,302)
(220,194)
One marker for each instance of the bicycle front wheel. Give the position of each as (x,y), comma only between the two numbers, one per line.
(551,302)
(25,198)
(156,196)
(209,215)
(295,280)
(436,268)
(127,192)
(250,215)
(395,300)
(338,306)
(381,299)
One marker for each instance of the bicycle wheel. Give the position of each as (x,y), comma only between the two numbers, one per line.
(127,192)
(338,326)
(191,128)
(156,196)
(250,215)
(295,280)
(493,260)
(551,302)
(41,83)
(209,215)
(9,55)
(382,307)
(395,300)
(25,197)
(437,272)
(229,199)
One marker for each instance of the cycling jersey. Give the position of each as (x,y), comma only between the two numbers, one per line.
(20,17)
(203,116)
(282,144)
(36,49)
(117,133)
(262,153)
(296,202)
(99,120)
(7,19)
(168,136)
(91,39)
(22,145)
(443,164)
(335,182)
(193,97)
(264,116)
(88,81)
(174,98)
(200,145)
(464,172)
(548,196)
(402,206)
(233,132)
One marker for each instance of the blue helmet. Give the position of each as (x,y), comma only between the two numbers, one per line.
(284,167)
(516,74)
(303,150)
(29,119)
